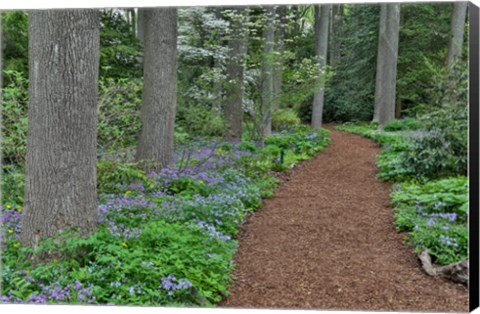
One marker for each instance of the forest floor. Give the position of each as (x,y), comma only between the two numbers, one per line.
(326,240)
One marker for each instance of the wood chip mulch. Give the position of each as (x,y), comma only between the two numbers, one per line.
(326,240)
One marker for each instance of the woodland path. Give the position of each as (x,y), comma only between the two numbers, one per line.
(326,240)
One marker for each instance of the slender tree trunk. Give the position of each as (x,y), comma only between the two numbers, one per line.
(133,21)
(218,66)
(321,42)
(278,70)
(457,30)
(398,108)
(141,24)
(155,145)
(335,33)
(380,60)
(267,88)
(385,90)
(60,171)
(234,88)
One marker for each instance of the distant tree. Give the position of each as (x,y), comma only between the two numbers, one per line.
(335,33)
(141,24)
(155,144)
(322,13)
(60,170)
(267,71)
(456,34)
(235,72)
(279,51)
(385,88)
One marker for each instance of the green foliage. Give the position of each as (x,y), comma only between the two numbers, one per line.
(200,121)
(351,93)
(13,181)
(14,116)
(402,125)
(118,113)
(443,149)
(113,176)
(15,44)
(436,215)
(420,48)
(120,50)
(129,271)
(284,118)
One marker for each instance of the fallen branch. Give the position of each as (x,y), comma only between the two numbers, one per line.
(457,272)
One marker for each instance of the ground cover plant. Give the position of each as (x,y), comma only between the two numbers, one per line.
(165,238)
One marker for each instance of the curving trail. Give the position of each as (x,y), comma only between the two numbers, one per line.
(326,240)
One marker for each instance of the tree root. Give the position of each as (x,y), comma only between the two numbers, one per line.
(457,272)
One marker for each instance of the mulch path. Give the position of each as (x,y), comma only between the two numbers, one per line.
(326,240)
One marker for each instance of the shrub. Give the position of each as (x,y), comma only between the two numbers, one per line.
(284,118)
(436,214)
(114,176)
(200,120)
(403,125)
(442,150)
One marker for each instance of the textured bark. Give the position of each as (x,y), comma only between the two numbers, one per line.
(267,89)
(322,14)
(234,86)
(60,170)
(155,145)
(457,272)
(385,89)
(279,48)
(457,30)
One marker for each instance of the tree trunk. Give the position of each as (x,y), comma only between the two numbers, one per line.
(380,61)
(335,33)
(60,170)
(385,89)
(321,42)
(278,70)
(398,108)
(218,66)
(133,21)
(267,88)
(141,25)
(155,145)
(457,30)
(234,86)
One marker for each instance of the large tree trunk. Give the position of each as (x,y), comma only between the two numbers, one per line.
(60,170)
(322,13)
(155,145)
(385,89)
(457,30)
(278,67)
(234,87)
(267,88)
